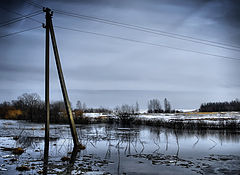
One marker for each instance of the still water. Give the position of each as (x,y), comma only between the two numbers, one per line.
(116,149)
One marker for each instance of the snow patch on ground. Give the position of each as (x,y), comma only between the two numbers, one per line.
(193,116)
(187,116)
(92,115)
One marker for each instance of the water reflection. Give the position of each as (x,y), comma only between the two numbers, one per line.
(133,149)
(70,166)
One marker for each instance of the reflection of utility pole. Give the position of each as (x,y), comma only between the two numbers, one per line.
(49,28)
(119,160)
(175,132)
(166,140)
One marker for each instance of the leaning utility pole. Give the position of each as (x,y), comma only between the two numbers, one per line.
(49,29)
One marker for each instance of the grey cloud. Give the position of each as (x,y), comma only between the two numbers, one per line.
(128,71)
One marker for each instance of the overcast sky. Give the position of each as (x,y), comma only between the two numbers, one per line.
(104,71)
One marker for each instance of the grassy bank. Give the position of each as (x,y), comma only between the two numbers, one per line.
(190,120)
(199,121)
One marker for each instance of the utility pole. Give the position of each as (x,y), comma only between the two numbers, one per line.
(49,29)
(63,86)
(47,105)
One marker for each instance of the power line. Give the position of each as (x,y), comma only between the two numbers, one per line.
(21,15)
(20,18)
(10,34)
(33,4)
(146,29)
(153,31)
(149,43)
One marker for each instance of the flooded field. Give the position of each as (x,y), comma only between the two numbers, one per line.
(116,149)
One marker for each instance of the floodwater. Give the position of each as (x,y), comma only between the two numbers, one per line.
(116,149)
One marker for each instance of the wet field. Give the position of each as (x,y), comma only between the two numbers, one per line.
(116,149)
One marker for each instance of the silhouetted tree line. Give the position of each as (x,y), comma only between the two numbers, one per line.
(83,107)
(125,112)
(220,106)
(98,110)
(29,106)
(154,106)
(26,107)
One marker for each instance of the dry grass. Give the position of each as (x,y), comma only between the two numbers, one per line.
(200,113)
(17,151)
(13,114)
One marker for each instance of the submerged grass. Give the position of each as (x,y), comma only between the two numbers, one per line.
(22,168)
(190,124)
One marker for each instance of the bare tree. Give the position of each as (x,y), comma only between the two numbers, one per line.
(154,106)
(30,99)
(29,102)
(167,105)
(84,107)
(125,112)
(137,107)
(79,105)
(58,111)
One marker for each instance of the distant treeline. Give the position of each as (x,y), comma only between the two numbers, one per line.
(220,106)
(26,107)
(154,106)
(30,107)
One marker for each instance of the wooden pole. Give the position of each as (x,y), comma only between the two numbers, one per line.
(63,86)
(47,105)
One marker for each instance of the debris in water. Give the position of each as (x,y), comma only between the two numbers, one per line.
(17,151)
(7,156)
(13,160)
(22,168)
(7,149)
(3,169)
(82,147)
(64,159)
(15,137)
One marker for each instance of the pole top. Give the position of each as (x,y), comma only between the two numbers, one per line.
(48,10)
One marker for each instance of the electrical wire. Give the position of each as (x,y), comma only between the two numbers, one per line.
(26,30)
(20,18)
(149,43)
(33,4)
(146,29)
(17,17)
(21,15)
(149,30)
(152,31)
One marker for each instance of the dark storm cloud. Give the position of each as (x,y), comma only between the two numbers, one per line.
(231,15)
(96,63)
(7,7)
